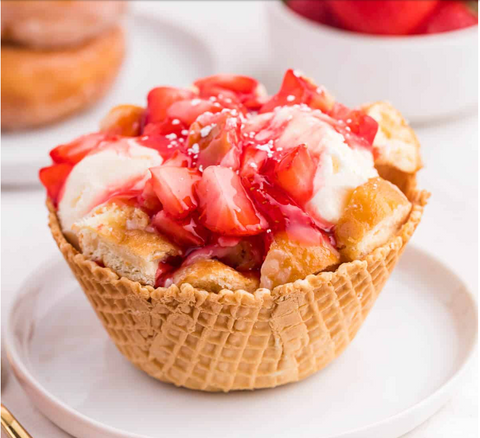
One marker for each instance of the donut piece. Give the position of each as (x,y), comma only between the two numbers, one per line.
(118,235)
(55,24)
(373,215)
(40,87)
(123,120)
(213,275)
(288,261)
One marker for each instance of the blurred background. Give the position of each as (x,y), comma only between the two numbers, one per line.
(422,56)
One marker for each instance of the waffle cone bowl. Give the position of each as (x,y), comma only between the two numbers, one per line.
(236,340)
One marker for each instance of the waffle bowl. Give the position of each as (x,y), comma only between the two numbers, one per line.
(236,340)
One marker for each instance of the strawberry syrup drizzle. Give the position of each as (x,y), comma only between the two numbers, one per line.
(256,162)
(281,211)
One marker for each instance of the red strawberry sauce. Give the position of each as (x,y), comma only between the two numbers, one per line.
(225,187)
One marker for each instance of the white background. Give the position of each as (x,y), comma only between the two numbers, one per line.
(449,230)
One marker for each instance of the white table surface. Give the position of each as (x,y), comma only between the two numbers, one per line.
(449,229)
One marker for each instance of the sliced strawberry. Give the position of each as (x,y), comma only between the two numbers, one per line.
(229,101)
(318,11)
(282,213)
(184,232)
(166,137)
(188,110)
(225,206)
(215,138)
(174,187)
(294,173)
(357,122)
(167,127)
(242,88)
(179,159)
(242,85)
(253,161)
(272,202)
(53,179)
(161,98)
(164,145)
(296,90)
(451,15)
(393,17)
(148,199)
(76,150)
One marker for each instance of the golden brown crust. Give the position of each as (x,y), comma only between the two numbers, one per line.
(122,224)
(406,182)
(119,235)
(397,147)
(77,77)
(287,261)
(123,120)
(373,214)
(56,24)
(234,340)
(214,276)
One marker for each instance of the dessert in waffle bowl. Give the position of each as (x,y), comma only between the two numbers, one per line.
(232,240)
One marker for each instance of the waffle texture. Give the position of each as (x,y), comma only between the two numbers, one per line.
(235,340)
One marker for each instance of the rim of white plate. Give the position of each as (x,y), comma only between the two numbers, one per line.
(24,374)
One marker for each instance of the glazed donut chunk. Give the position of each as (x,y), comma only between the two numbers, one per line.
(49,24)
(39,87)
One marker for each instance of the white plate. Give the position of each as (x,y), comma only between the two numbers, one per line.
(159,52)
(397,372)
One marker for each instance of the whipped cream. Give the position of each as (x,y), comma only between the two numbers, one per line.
(306,126)
(341,168)
(114,167)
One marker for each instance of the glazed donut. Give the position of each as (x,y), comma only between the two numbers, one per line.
(53,24)
(39,87)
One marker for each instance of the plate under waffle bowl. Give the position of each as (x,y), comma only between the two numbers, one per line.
(401,367)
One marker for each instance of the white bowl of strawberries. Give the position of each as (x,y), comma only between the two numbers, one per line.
(422,56)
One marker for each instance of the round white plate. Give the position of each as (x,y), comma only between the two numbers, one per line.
(398,371)
(159,52)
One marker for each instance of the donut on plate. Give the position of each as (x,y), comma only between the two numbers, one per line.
(54,24)
(42,86)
